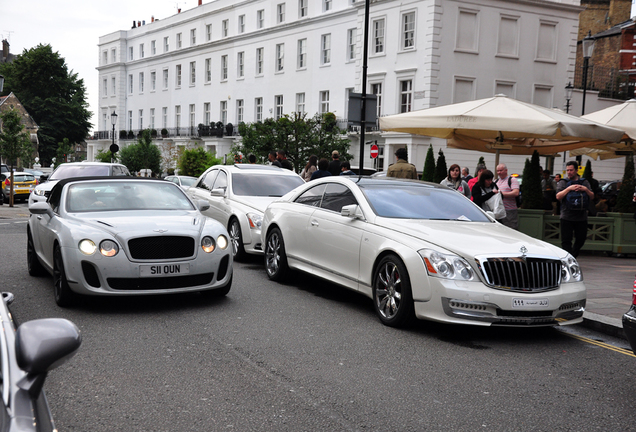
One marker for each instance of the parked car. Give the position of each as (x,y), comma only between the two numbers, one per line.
(629,321)
(36,173)
(238,195)
(421,250)
(126,236)
(23,184)
(76,169)
(184,181)
(28,355)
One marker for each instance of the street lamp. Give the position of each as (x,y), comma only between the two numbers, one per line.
(588,49)
(568,96)
(114,148)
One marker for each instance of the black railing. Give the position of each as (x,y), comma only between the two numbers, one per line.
(609,82)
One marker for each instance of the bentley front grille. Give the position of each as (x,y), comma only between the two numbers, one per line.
(522,274)
(161,247)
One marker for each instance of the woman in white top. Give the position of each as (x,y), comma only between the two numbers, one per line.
(310,168)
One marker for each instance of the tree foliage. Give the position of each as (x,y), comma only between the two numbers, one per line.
(531,183)
(428,173)
(587,172)
(299,135)
(624,200)
(193,162)
(142,155)
(441,171)
(64,150)
(105,156)
(53,96)
(14,143)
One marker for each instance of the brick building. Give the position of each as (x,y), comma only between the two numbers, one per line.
(31,128)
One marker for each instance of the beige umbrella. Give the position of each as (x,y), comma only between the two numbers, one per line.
(502,124)
(621,116)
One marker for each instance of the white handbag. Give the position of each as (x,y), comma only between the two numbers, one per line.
(495,204)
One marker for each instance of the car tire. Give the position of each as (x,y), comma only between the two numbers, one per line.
(34,266)
(64,296)
(218,292)
(392,295)
(275,256)
(236,239)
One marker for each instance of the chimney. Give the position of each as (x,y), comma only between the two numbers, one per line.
(152,18)
(178,10)
(200,2)
(134,24)
(143,22)
(138,23)
(5,49)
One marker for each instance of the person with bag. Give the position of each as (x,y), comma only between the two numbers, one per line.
(575,196)
(509,187)
(486,195)
(455,181)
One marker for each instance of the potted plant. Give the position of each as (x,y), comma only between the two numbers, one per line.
(131,134)
(229,129)
(623,215)
(531,213)
(153,133)
(219,129)
(123,134)
(164,133)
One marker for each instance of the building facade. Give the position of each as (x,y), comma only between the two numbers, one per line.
(246,61)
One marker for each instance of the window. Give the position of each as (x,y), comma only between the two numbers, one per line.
(164,117)
(141,82)
(467,31)
(300,103)
(141,51)
(225,24)
(153,47)
(179,41)
(153,81)
(105,89)
(406,95)
(542,96)
(378,36)
(166,44)
(278,102)
(193,73)
(113,55)
(259,61)
(141,119)
(178,76)
(258,109)
(152,118)
(192,115)
(408,31)
(302,54)
(223,68)
(302,8)
(260,19)
(165,79)
(206,113)
(351,44)
(241,24)
(223,111)
(325,49)
(130,120)
(208,32)
(280,13)
(507,88)
(130,84)
(113,85)
(240,64)
(327,5)
(324,101)
(337,196)
(177,116)
(508,37)
(193,37)
(546,44)
(464,90)
(130,53)
(105,57)
(208,70)
(280,57)
(239,110)
(376,89)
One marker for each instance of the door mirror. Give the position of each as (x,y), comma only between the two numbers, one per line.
(352,211)
(203,205)
(218,192)
(41,207)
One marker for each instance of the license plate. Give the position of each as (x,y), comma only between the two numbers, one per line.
(540,303)
(162,270)
(22,190)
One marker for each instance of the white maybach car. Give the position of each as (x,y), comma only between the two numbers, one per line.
(421,250)
(126,236)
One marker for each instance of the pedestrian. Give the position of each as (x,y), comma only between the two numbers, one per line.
(334,165)
(455,182)
(575,195)
(271,156)
(548,187)
(345,169)
(466,175)
(252,159)
(471,183)
(484,188)
(323,165)
(310,168)
(509,188)
(402,168)
(557,178)
(284,162)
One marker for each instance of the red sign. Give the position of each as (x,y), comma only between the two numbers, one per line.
(374,151)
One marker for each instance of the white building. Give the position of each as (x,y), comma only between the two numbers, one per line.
(245,61)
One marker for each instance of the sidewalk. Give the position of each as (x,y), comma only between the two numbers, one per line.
(609,282)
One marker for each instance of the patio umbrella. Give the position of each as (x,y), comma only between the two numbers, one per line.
(621,116)
(501,123)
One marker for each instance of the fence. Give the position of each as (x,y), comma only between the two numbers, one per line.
(609,82)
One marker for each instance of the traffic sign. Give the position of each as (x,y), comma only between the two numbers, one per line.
(374,151)
(114,148)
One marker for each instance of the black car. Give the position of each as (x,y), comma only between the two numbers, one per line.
(629,321)
(27,355)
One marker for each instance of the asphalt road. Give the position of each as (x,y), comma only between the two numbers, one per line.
(309,356)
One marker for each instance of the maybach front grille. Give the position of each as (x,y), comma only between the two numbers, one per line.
(522,274)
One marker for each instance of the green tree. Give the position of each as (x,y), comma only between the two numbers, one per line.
(428,173)
(624,200)
(142,155)
(64,149)
(299,135)
(53,96)
(105,156)
(441,171)
(14,143)
(531,183)
(193,162)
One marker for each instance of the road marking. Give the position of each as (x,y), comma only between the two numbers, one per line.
(602,344)
(21,222)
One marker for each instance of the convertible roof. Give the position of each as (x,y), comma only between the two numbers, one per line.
(60,184)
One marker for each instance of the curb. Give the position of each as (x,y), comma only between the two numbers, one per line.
(603,324)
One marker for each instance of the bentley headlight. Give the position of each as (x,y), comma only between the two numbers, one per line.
(570,270)
(255,220)
(446,266)
(108,248)
(39,192)
(207,243)
(222,241)
(87,247)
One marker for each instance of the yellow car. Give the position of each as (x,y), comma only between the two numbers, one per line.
(23,185)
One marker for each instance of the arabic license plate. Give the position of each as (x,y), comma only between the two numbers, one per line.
(162,270)
(22,190)
(536,303)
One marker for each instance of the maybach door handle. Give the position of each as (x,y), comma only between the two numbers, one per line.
(315,223)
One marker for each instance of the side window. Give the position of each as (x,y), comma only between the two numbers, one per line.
(312,197)
(175,180)
(221,181)
(54,199)
(207,180)
(336,197)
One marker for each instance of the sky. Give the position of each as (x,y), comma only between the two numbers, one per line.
(73,28)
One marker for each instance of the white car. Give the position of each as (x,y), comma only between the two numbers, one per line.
(421,250)
(76,169)
(238,195)
(126,236)
(184,181)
